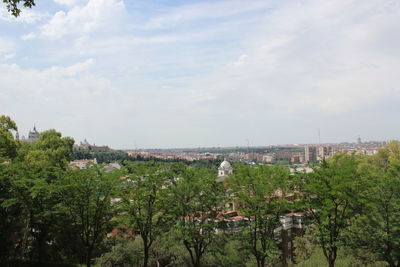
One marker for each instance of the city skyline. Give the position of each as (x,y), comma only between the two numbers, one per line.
(25,137)
(203,73)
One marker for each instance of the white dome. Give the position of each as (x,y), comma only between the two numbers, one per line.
(225,165)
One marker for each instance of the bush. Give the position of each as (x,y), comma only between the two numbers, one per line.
(125,253)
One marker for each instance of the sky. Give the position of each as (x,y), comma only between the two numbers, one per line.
(187,73)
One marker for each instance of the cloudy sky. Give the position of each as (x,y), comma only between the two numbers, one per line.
(187,73)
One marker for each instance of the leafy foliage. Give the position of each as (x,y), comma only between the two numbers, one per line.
(331,197)
(13,6)
(377,229)
(261,194)
(85,196)
(8,145)
(144,202)
(198,204)
(100,156)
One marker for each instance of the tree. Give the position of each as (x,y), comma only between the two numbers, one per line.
(85,196)
(11,222)
(9,214)
(51,151)
(34,168)
(331,195)
(198,198)
(261,194)
(144,202)
(377,230)
(8,145)
(13,6)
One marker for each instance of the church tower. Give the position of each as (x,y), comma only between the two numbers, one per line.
(33,135)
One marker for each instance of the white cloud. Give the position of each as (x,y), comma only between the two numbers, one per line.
(6,45)
(70,2)
(242,59)
(101,15)
(28,36)
(314,57)
(206,10)
(72,70)
(9,56)
(50,81)
(71,89)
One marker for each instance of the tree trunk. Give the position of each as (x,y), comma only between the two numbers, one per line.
(197,263)
(198,256)
(40,247)
(146,256)
(89,257)
(331,263)
(187,246)
(263,261)
(25,237)
(259,262)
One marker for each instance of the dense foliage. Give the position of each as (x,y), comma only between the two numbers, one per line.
(174,214)
(101,156)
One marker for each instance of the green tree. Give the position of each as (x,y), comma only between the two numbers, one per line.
(34,168)
(377,230)
(8,145)
(331,197)
(261,194)
(144,202)
(85,196)
(50,152)
(198,200)
(10,214)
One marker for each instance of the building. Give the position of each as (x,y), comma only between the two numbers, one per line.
(112,166)
(33,135)
(86,146)
(291,227)
(297,158)
(310,153)
(359,142)
(224,170)
(268,158)
(81,163)
(324,152)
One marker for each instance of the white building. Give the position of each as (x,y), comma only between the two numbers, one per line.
(224,170)
(81,163)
